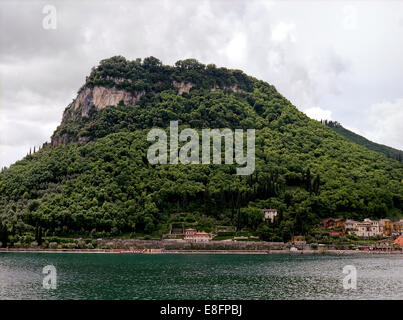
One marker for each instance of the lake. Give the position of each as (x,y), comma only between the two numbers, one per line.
(199,276)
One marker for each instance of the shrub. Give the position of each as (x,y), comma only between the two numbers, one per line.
(89,246)
(108,245)
(70,245)
(18,244)
(53,245)
(115,231)
(225,234)
(352,237)
(81,244)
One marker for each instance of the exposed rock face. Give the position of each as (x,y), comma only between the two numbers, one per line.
(83,139)
(58,140)
(183,86)
(186,86)
(101,97)
(233,88)
(64,139)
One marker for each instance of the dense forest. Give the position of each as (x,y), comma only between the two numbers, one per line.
(104,186)
(388,151)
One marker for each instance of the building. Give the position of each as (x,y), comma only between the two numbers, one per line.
(298,240)
(335,226)
(370,228)
(153,251)
(395,228)
(351,226)
(269,214)
(399,241)
(333,223)
(385,227)
(193,236)
(367,229)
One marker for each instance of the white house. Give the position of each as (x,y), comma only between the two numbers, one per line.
(367,228)
(269,214)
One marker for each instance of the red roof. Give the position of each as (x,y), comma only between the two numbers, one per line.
(399,241)
(335,220)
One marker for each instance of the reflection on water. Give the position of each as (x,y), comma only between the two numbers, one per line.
(125,276)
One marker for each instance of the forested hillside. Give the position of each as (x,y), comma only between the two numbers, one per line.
(388,151)
(94,179)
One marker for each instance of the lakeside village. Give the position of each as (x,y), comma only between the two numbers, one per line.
(383,234)
(338,235)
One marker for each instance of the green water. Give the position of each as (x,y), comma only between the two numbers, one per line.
(169,276)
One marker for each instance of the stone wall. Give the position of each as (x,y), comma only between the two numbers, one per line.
(186,245)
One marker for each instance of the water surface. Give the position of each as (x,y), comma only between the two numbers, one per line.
(199,276)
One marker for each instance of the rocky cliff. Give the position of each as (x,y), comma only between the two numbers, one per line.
(100,97)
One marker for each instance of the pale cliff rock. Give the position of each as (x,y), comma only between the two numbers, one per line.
(233,88)
(186,86)
(183,86)
(101,97)
(59,140)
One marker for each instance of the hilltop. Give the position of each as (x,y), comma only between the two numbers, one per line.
(94,179)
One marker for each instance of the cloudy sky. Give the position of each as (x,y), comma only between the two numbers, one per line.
(332,59)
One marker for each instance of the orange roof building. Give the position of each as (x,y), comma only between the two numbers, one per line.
(399,241)
(193,235)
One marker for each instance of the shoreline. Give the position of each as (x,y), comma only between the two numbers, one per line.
(257,252)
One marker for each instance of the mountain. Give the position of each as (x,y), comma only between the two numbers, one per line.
(94,178)
(388,151)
